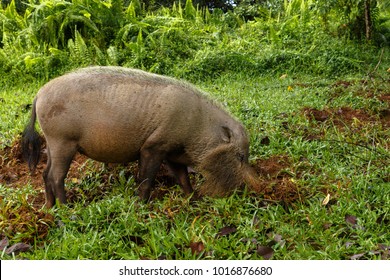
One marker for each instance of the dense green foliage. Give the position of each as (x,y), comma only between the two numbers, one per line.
(45,38)
(309,85)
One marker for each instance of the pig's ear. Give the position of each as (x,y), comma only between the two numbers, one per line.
(226,134)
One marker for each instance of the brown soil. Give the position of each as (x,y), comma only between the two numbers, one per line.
(26,218)
(14,173)
(29,217)
(276,182)
(347,117)
(385,97)
(277,185)
(385,114)
(344,84)
(341,117)
(385,118)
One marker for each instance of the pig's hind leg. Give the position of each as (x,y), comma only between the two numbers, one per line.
(181,174)
(60,154)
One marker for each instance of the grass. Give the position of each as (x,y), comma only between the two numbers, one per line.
(347,158)
(15,107)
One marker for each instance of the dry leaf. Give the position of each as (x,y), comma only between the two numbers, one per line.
(308,220)
(327,225)
(352,220)
(326,200)
(284,76)
(384,247)
(18,248)
(265,141)
(251,240)
(265,251)
(357,256)
(278,238)
(348,244)
(226,231)
(3,243)
(197,247)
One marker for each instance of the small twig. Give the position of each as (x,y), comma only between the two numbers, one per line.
(370,74)
(380,60)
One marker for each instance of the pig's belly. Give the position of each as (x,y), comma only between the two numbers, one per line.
(110,145)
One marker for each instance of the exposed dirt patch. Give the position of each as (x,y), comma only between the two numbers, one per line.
(341,117)
(25,222)
(30,219)
(385,97)
(25,218)
(385,118)
(344,84)
(384,115)
(14,173)
(273,166)
(347,117)
(362,88)
(276,179)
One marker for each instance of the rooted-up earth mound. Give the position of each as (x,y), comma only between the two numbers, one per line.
(14,173)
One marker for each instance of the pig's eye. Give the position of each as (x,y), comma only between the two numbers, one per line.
(241,157)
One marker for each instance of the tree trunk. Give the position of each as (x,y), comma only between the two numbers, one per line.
(367,19)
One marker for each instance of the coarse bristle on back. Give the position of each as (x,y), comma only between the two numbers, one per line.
(140,75)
